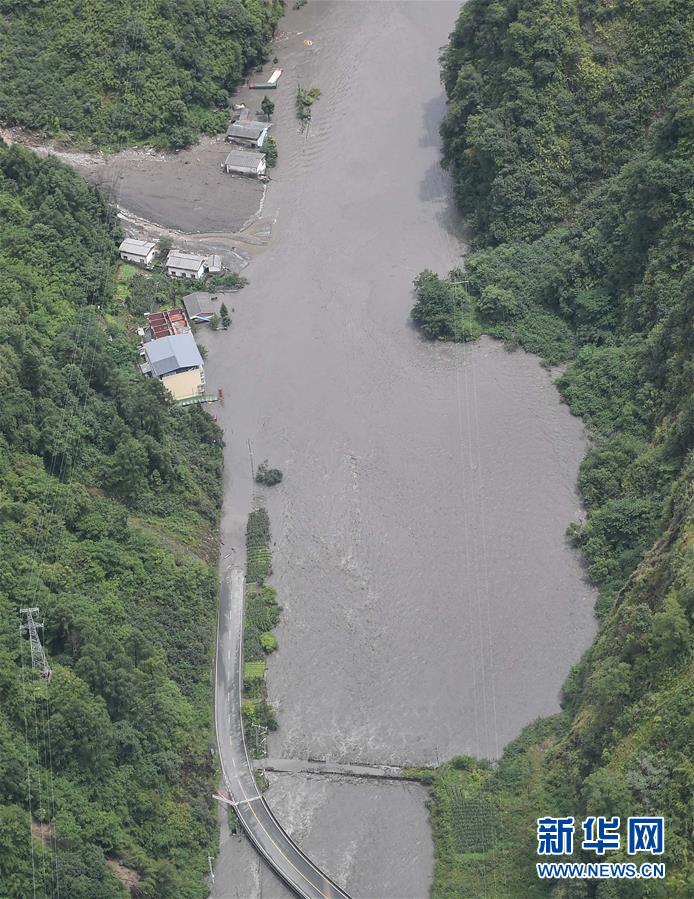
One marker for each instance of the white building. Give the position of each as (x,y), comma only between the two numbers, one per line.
(245,162)
(185,265)
(141,252)
(213,264)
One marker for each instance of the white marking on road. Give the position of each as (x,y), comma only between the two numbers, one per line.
(242,801)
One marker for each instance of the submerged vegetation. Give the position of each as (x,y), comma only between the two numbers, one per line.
(260,617)
(270,150)
(224,316)
(268,476)
(304,101)
(444,310)
(258,554)
(110,498)
(570,138)
(106,73)
(226,281)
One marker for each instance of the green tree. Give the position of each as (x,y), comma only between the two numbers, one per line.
(671,634)
(267,106)
(434,311)
(498,303)
(128,468)
(15,855)
(268,476)
(270,150)
(164,245)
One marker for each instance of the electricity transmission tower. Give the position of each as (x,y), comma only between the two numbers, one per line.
(38,657)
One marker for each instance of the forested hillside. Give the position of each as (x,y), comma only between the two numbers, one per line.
(570,138)
(108,73)
(546,99)
(109,505)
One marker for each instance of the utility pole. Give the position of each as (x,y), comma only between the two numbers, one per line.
(209,862)
(38,656)
(250,453)
(465,282)
(461,304)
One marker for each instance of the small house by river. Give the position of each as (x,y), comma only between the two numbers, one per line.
(185,265)
(199,306)
(177,362)
(251,134)
(245,163)
(213,264)
(141,252)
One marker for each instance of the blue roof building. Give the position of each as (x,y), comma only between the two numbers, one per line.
(172,354)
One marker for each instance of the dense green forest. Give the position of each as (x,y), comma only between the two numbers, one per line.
(570,139)
(109,499)
(107,73)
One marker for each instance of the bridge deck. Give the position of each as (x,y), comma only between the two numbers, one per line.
(315,766)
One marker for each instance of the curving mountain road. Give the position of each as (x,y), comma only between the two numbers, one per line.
(257,820)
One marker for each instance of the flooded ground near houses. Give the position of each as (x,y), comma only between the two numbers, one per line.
(181,191)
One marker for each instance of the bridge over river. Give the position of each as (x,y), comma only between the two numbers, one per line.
(334,769)
(254,814)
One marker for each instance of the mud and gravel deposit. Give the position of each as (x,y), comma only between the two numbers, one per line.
(185,191)
(431,604)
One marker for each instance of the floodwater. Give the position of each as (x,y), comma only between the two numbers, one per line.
(431,604)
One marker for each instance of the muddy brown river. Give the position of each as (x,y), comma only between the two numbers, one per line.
(431,604)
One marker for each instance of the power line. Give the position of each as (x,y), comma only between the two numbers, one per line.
(69,441)
(39,665)
(26,743)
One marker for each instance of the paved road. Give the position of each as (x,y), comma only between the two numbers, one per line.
(260,825)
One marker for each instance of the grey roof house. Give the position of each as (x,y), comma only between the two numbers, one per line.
(185,265)
(172,354)
(246,132)
(245,162)
(140,251)
(214,264)
(198,306)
